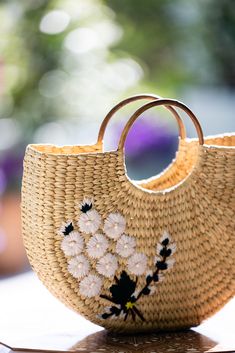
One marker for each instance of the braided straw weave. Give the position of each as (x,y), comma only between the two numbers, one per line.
(186,214)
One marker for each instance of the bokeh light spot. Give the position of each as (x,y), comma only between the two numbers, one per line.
(54,22)
(52,83)
(11,135)
(82,40)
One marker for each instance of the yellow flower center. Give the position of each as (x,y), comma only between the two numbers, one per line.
(129,305)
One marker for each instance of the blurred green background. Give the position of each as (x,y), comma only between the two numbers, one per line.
(65,63)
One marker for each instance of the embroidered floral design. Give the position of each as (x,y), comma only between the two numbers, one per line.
(124,293)
(72,244)
(90,286)
(97,245)
(165,238)
(96,252)
(89,222)
(114,225)
(66,228)
(137,264)
(125,245)
(86,205)
(107,265)
(78,266)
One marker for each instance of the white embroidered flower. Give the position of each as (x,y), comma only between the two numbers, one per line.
(165,235)
(89,222)
(78,266)
(66,228)
(125,245)
(97,245)
(86,204)
(107,265)
(90,286)
(137,264)
(72,244)
(114,225)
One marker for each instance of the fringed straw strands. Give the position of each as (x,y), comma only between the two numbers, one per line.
(153,255)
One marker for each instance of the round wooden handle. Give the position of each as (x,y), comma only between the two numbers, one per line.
(160,102)
(182,131)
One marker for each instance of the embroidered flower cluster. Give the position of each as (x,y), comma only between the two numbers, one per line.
(93,252)
(101,234)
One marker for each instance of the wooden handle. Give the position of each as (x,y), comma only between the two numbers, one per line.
(182,131)
(160,102)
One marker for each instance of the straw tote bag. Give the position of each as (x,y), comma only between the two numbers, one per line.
(133,257)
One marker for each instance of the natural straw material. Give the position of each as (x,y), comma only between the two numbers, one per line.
(186,215)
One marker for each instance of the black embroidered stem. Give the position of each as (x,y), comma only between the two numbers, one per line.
(150,279)
(138,313)
(133,314)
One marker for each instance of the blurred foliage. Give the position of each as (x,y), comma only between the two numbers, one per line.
(33,55)
(180,42)
(219,34)
(131,45)
(45,77)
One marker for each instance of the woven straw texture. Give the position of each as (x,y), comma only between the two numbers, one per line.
(193,200)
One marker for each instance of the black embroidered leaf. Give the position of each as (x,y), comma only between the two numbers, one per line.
(68,229)
(123,289)
(161,265)
(86,207)
(149,279)
(114,310)
(165,252)
(155,277)
(165,242)
(105,316)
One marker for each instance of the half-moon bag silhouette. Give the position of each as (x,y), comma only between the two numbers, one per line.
(134,256)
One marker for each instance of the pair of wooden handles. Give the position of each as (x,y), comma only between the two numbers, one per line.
(155,101)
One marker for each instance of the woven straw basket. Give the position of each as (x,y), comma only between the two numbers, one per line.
(134,256)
